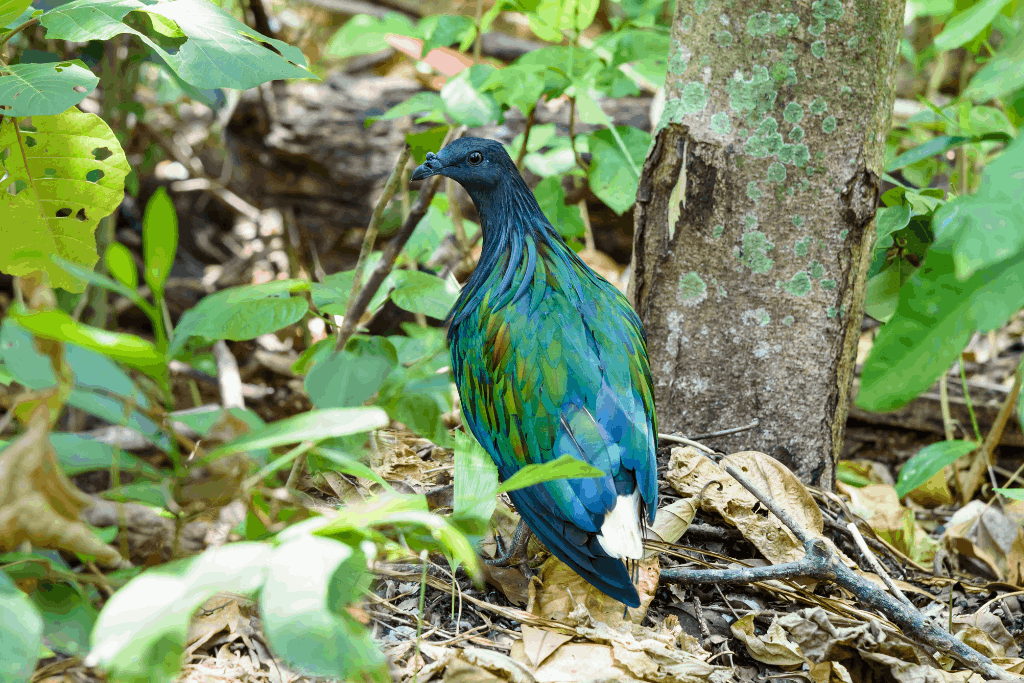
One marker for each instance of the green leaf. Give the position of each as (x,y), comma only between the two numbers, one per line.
(126,348)
(140,632)
(418,403)
(346,464)
(21,629)
(1014,494)
(11,10)
(100,280)
(882,293)
(365,35)
(937,145)
(332,295)
(78,454)
(442,30)
(349,378)
(476,483)
(554,16)
(888,221)
(44,89)
(220,51)
(101,388)
(987,227)
(610,176)
(429,232)
(969,23)
(936,316)
(242,313)
(565,467)
(68,617)
(425,293)
(60,180)
(1002,75)
(929,461)
(310,581)
(421,103)
(315,425)
(159,240)
(465,103)
(426,141)
(122,266)
(566,219)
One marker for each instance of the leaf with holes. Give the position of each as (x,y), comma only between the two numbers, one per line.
(44,89)
(218,50)
(56,182)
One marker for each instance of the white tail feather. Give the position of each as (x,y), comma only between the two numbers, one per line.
(620,533)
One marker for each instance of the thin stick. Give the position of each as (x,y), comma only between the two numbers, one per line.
(876,565)
(947,417)
(371,230)
(390,254)
(526,136)
(982,459)
(726,432)
(228,376)
(686,442)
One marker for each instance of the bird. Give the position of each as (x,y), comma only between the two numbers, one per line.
(549,359)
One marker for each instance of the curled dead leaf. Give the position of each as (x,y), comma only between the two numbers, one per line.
(774,647)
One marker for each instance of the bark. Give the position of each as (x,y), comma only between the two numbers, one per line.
(754,220)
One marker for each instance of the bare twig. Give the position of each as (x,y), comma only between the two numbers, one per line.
(727,432)
(876,565)
(526,136)
(228,376)
(390,254)
(371,232)
(823,564)
(686,442)
(982,459)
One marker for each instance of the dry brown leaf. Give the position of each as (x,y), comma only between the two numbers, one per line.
(692,474)
(563,589)
(773,648)
(934,492)
(830,672)
(988,535)
(219,613)
(539,643)
(671,521)
(996,641)
(497,663)
(574,662)
(38,503)
(461,671)
(880,507)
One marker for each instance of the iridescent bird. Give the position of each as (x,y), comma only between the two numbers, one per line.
(550,359)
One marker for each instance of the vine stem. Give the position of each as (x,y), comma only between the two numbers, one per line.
(18,29)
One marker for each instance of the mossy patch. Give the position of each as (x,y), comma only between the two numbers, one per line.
(776,173)
(724,38)
(720,123)
(787,321)
(799,284)
(756,94)
(793,112)
(803,247)
(717,231)
(692,286)
(819,106)
(818,48)
(753,192)
(829,124)
(817,270)
(754,252)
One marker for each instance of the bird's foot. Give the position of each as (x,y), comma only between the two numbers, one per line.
(515,554)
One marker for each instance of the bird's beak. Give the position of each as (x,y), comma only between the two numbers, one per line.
(432,166)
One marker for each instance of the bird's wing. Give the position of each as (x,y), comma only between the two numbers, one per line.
(561,369)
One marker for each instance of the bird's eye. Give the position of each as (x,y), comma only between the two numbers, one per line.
(475,158)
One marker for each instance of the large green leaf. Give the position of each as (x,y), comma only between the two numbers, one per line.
(59,180)
(565,467)
(11,10)
(310,581)
(363,34)
(936,316)
(1001,75)
(464,101)
(315,425)
(21,630)
(44,89)
(219,52)
(551,197)
(929,461)
(349,378)
(552,17)
(611,177)
(476,483)
(987,227)
(159,240)
(140,633)
(243,312)
(425,293)
(968,23)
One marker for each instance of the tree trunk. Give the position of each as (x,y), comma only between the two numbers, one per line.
(754,220)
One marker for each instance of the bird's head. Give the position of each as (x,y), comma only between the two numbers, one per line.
(477,164)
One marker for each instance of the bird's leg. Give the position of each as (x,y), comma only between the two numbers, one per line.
(516,552)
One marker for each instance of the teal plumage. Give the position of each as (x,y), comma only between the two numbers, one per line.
(550,359)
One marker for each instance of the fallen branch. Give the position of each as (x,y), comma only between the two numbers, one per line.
(822,563)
